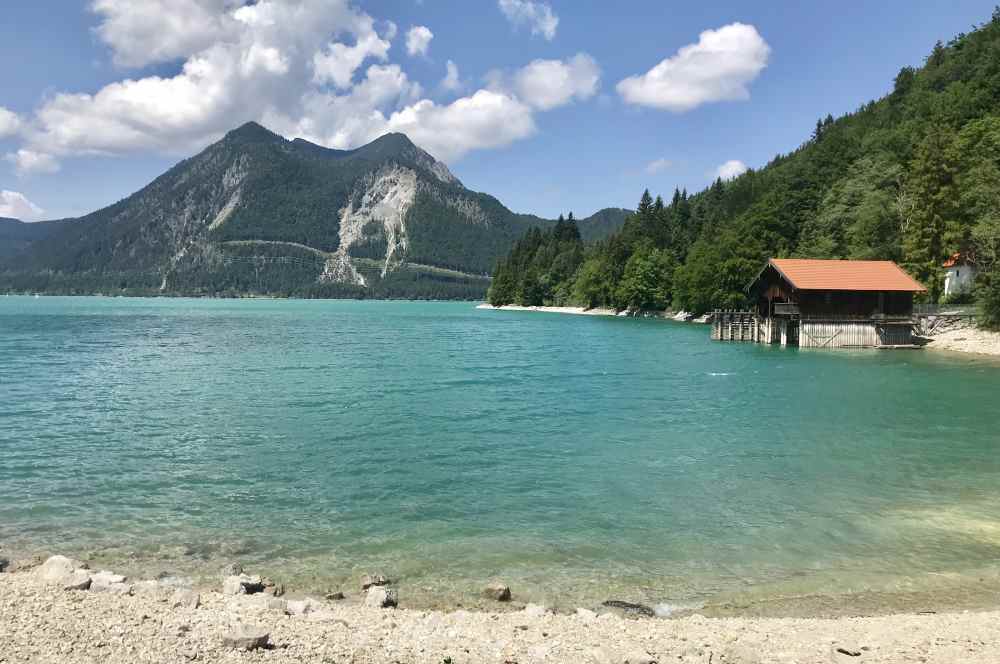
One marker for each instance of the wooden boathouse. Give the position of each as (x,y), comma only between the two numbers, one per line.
(825,304)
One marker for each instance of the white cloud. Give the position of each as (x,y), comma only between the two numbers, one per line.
(15,205)
(718,68)
(546,84)
(154,31)
(537,15)
(731,169)
(486,119)
(10,123)
(451,80)
(27,162)
(338,62)
(418,40)
(658,165)
(313,68)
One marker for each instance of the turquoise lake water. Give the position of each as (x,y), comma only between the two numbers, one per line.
(577,458)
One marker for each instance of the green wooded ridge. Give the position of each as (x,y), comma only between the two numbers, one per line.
(912,177)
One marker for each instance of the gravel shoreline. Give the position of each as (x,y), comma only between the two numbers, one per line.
(967,340)
(155,621)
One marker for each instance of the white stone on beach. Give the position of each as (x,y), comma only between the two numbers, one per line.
(109,582)
(65,572)
(246,637)
(381,597)
(242,585)
(56,568)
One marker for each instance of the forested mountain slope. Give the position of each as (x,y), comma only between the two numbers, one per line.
(911,177)
(256,213)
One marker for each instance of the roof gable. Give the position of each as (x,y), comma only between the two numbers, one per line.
(841,275)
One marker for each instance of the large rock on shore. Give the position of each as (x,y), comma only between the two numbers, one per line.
(58,567)
(246,637)
(65,572)
(109,582)
(497,591)
(242,585)
(381,597)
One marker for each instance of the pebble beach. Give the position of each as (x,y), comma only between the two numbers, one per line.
(57,612)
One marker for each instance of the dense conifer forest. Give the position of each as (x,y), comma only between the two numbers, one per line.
(912,177)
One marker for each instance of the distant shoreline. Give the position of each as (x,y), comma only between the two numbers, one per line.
(682,317)
(576,311)
(967,341)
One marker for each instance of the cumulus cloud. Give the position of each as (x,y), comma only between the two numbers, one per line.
(418,40)
(546,84)
(154,31)
(731,169)
(658,165)
(27,162)
(313,68)
(538,16)
(15,205)
(451,80)
(718,68)
(10,123)
(338,62)
(486,119)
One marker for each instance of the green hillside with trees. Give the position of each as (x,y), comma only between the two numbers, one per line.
(912,177)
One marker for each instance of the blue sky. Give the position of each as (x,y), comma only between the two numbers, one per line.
(100,97)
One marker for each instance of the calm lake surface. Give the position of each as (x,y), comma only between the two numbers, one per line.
(577,458)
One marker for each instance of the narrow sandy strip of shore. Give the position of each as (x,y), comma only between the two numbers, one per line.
(580,311)
(154,622)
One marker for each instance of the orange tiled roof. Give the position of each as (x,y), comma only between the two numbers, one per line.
(809,274)
(958,258)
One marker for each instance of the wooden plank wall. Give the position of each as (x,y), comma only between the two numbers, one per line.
(828,334)
(747,327)
(742,326)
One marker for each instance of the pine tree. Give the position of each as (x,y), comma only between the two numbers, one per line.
(645,205)
(929,234)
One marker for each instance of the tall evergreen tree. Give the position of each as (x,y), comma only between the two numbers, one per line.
(931,232)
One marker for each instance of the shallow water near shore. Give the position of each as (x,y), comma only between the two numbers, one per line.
(576,458)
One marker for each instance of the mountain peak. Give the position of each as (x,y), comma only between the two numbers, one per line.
(252,132)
